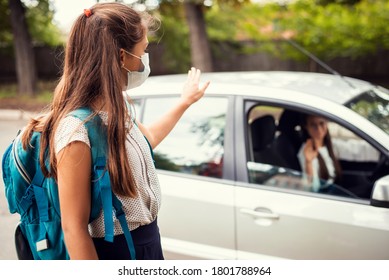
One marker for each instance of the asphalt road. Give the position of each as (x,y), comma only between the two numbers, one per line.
(8,222)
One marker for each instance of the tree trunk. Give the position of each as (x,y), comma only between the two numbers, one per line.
(199,43)
(24,54)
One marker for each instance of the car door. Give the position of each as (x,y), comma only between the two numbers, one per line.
(278,218)
(196,218)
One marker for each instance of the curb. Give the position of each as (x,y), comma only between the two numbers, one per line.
(15,115)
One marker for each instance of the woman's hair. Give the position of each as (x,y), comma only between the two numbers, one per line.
(323,170)
(92,73)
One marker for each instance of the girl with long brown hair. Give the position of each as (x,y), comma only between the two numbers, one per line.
(105,55)
(316,155)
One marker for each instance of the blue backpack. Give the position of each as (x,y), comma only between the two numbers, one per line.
(35,198)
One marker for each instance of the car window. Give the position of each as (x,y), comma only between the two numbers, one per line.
(276,138)
(350,147)
(195,146)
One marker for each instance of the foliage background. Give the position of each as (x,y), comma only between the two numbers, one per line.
(327,29)
(40,23)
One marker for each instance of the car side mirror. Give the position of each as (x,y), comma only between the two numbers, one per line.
(380,196)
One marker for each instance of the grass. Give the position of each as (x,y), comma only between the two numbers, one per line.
(10,99)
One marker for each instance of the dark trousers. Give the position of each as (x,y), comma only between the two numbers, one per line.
(147,242)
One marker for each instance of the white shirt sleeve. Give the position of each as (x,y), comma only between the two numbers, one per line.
(70,129)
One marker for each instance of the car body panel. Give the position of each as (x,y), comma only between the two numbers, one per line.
(310,227)
(203,214)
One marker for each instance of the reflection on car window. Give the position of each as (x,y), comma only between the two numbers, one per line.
(374,106)
(275,138)
(351,147)
(290,179)
(195,146)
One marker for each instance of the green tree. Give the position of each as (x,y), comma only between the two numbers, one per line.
(343,2)
(24,54)
(5,23)
(326,28)
(330,30)
(191,14)
(200,48)
(194,14)
(40,24)
(22,25)
(337,30)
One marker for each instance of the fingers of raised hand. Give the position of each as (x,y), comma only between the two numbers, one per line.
(205,86)
(192,89)
(194,74)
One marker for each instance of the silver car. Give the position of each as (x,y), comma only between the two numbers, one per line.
(234,192)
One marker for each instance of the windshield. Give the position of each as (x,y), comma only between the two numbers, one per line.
(374,106)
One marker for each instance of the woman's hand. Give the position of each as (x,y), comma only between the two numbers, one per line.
(310,150)
(192,91)
(310,153)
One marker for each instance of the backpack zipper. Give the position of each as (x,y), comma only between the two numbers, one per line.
(19,164)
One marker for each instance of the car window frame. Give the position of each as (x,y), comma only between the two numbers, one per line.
(243,104)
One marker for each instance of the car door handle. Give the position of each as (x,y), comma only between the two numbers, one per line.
(260,212)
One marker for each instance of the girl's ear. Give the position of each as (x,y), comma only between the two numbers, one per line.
(122,53)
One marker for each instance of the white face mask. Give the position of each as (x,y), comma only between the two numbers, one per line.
(136,78)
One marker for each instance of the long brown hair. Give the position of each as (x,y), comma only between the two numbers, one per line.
(92,72)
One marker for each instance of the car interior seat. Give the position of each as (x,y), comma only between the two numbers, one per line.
(263,130)
(289,138)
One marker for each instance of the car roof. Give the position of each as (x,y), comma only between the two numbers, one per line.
(335,88)
(313,90)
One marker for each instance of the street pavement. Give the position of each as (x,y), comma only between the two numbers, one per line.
(10,122)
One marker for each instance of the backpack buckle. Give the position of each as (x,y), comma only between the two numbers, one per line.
(42,245)
(27,198)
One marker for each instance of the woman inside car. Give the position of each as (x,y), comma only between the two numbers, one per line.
(316,156)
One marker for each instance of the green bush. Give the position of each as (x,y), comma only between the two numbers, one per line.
(336,29)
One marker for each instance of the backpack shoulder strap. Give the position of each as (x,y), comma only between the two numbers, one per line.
(95,128)
(103,191)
